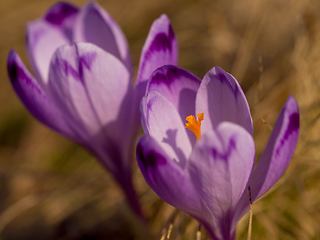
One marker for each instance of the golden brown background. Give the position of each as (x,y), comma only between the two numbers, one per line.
(52,189)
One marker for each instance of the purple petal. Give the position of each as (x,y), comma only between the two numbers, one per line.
(276,156)
(169,181)
(60,14)
(63,16)
(34,98)
(93,90)
(160,48)
(95,25)
(179,87)
(166,178)
(161,120)
(221,98)
(43,39)
(220,167)
(279,150)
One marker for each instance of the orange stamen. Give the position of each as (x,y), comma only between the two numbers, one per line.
(195,125)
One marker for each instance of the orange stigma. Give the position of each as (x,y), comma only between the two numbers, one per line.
(195,125)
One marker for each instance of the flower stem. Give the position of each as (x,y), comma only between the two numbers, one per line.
(131,195)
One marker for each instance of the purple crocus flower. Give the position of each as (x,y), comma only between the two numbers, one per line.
(208,177)
(84,85)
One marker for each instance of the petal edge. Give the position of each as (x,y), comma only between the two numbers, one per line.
(279,150)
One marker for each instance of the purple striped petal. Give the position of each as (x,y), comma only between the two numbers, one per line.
(34,98)
(62,14)
(221,98)
(160,48)
(279,150)
(170,182)
(93,90)
(43,39)
(166,178)
(162,121)
(179,87)
(276,156)
(220,167)
(95,25)
(45,35)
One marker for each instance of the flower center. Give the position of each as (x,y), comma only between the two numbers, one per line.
(195,125)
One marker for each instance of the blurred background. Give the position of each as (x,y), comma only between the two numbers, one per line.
(52,189)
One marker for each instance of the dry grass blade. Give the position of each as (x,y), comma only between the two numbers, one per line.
(167,228)
(250,216)
(199,233)
(169,231)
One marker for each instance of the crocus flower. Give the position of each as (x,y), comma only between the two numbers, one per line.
(84,85)
(207,173)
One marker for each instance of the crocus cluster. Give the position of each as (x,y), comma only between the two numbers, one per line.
(84,85)
(205,167)
(197,153)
